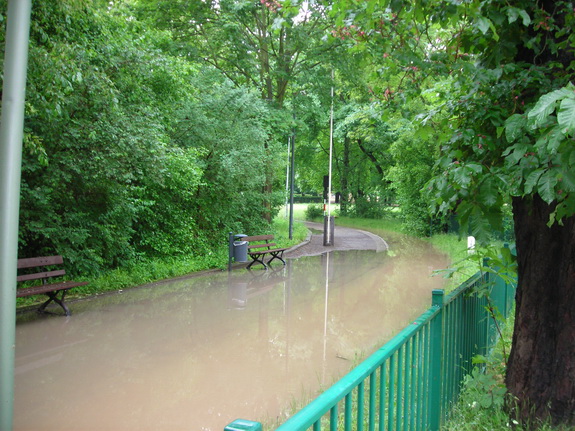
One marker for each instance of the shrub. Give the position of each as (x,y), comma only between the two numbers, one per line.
(313,212)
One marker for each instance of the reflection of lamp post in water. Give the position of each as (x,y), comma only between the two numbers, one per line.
(325,317)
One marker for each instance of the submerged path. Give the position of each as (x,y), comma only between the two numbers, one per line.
(344,239)
(198,352)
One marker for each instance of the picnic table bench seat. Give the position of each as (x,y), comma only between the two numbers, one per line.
(261,245)
(48,269)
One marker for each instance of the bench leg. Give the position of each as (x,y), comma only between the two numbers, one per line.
(277,255)
(53,296)
(255,259)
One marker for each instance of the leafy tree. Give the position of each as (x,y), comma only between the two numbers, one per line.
(263,45)
(225,125)
(414,158)
(99,108)
(511,110)
(366,159)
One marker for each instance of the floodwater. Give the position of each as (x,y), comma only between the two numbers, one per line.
(197,353)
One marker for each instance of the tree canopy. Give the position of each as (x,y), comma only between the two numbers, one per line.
(503,73)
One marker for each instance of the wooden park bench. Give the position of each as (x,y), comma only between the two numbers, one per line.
(46,265)
(262,247)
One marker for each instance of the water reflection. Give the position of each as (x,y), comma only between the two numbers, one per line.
(199,352)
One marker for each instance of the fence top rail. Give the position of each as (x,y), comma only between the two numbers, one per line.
(324,402)
(462,289)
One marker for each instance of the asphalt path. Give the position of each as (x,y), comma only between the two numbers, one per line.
(344,239)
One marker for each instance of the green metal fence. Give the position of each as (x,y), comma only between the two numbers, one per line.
(412,381)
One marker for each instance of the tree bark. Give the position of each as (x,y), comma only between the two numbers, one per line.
(541,368)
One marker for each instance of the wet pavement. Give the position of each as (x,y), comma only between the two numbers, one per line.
(344,239)
(197,353)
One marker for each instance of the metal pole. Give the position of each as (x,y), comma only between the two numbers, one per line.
(11,133)
(292,185)
(287,175)
(330,154)
(230,250)
(328,225)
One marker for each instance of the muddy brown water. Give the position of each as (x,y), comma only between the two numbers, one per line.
(197,353)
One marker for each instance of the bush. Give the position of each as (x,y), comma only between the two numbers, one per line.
(365,207)
(313,212)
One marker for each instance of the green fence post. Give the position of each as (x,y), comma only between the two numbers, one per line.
(435,366)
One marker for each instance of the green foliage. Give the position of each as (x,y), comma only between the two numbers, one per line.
(487,72)
(542,154)
(227,127)
(130,152)
(314,212)
(414,158)
(164,226)
(368,207)
(280,230)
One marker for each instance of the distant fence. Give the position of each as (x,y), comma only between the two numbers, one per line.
(413,380)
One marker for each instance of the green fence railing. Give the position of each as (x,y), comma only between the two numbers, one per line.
(413,380)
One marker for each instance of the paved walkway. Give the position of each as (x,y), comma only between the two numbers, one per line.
(344,239)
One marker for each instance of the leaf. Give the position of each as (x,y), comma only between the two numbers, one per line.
(525,16)
(555,138)
(566,115)
(514,154)
(278,23)
(514,127)
(512,14)
(483,24)
(546,105)
(531,180)
(475,167)
(479,359)
(546,186)
(568,180)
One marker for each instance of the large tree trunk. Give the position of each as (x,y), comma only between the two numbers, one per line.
(541,368)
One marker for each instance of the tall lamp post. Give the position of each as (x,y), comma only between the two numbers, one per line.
(292,184)
(328,230)
(11,134)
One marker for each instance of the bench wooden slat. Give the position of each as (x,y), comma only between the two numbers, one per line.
(269,244)
(33,262)
(257,238)
(37,290)
(273,250)
(41,275)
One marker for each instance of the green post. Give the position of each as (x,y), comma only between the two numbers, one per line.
(11,132)
(435,366)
